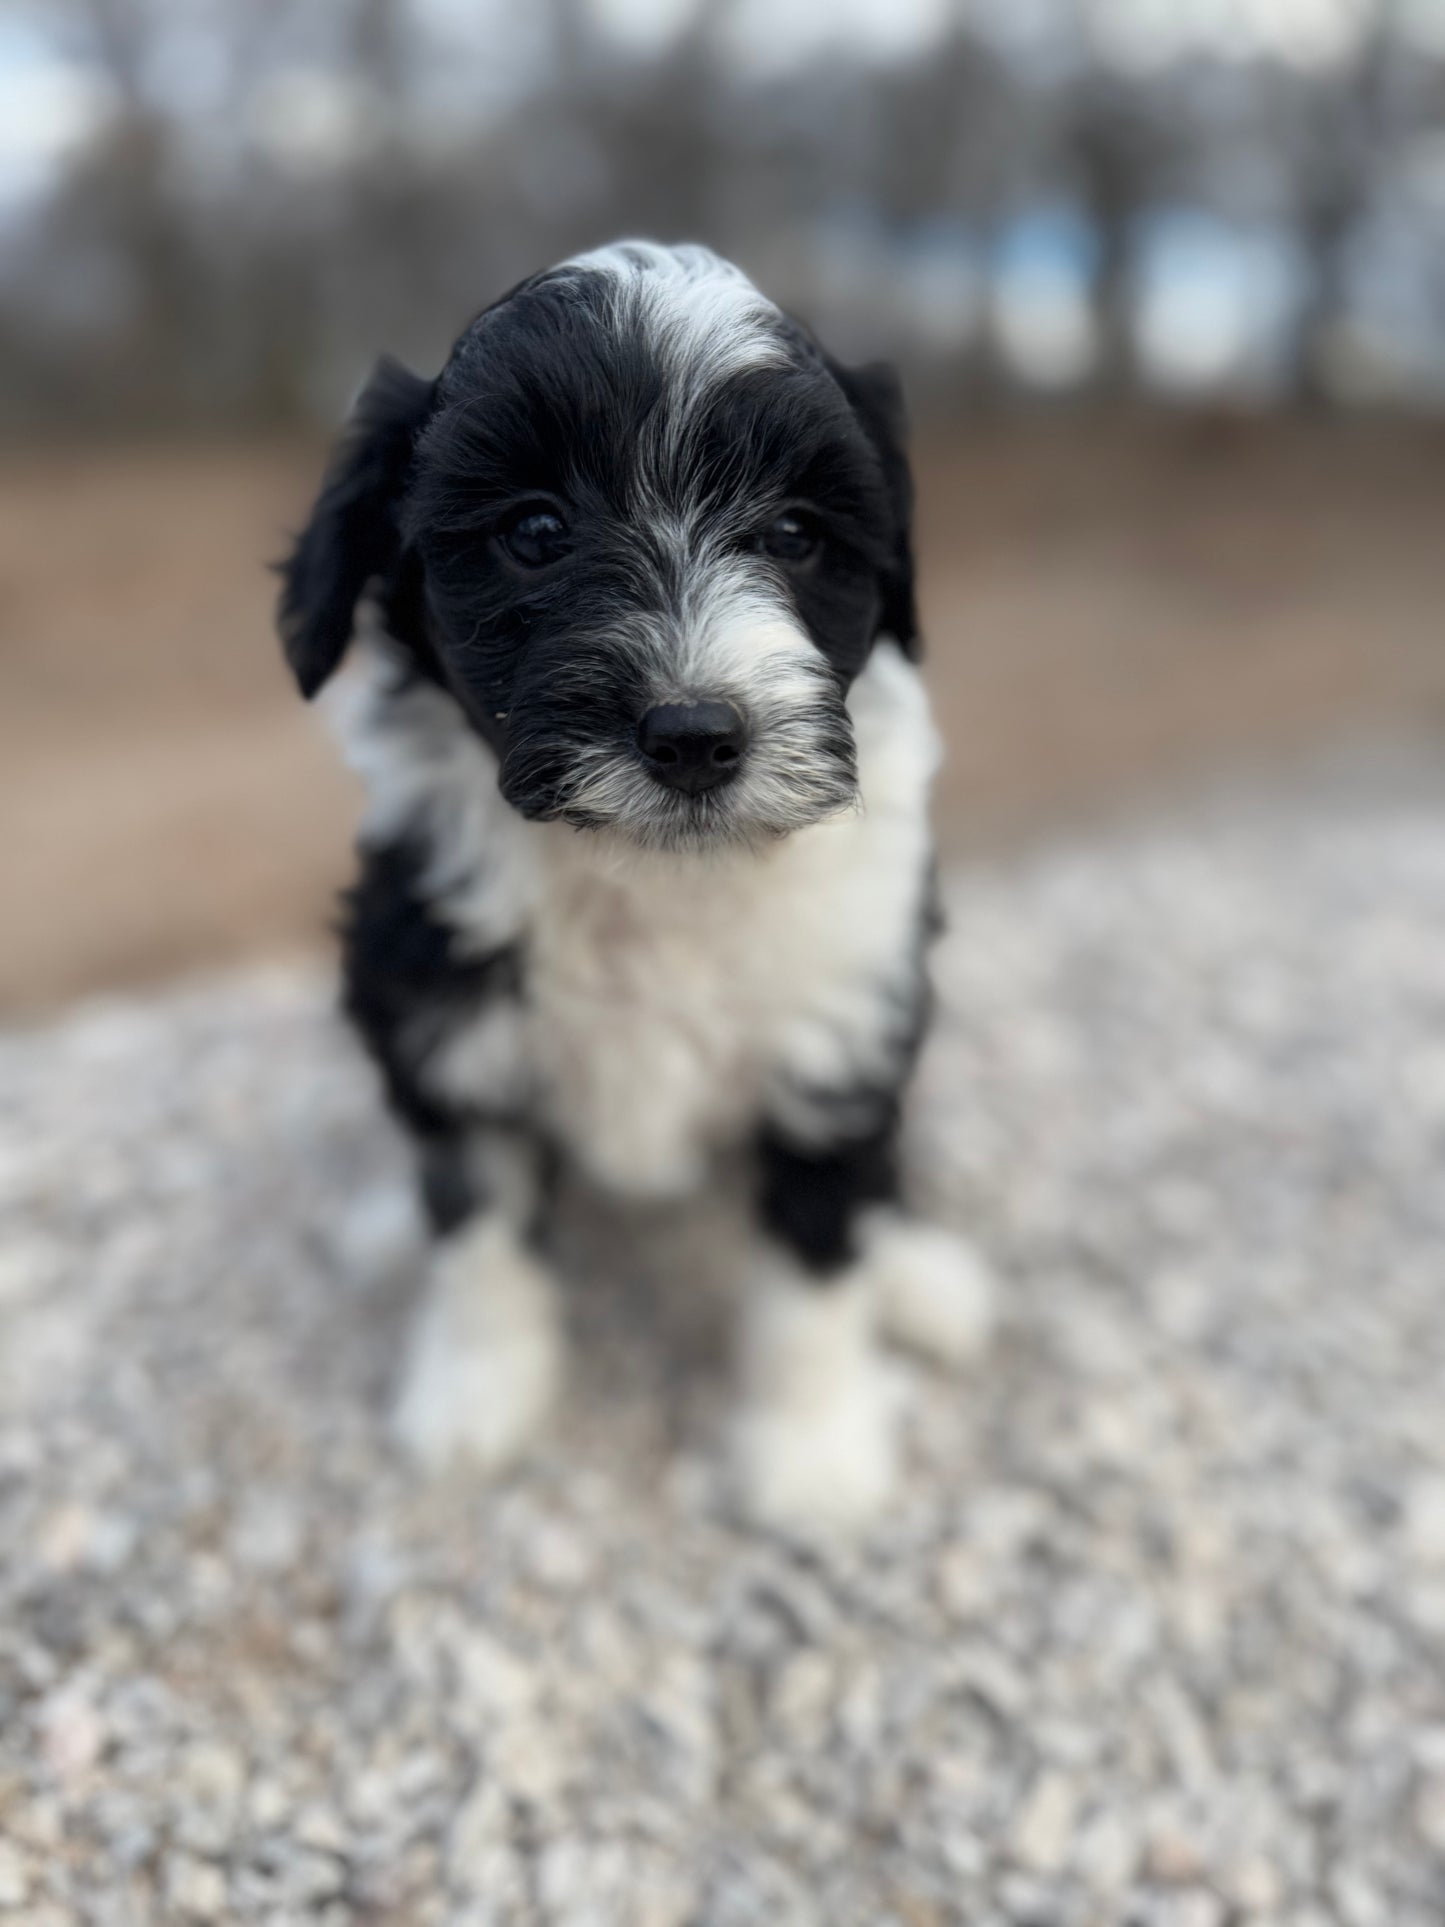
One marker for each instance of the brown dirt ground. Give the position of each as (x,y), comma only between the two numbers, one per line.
(1111,610)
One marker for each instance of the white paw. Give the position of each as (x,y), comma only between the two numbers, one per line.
(485,1362)
(822,1471)
(934,1293)
(814,1448)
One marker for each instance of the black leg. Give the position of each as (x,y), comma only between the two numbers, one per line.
(449,1187)
(482,1167)
(809,1198)
(814,1439)
(409,988)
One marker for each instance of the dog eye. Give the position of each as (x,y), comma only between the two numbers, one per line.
(792,538)
(534,536)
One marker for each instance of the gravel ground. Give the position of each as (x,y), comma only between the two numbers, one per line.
(1156,1635)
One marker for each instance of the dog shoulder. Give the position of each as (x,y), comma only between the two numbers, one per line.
(433,928)
(861,904)
(431,783)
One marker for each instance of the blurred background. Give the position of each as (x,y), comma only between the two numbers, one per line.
(1166,279)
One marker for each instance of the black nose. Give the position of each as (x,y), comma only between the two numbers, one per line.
(692,746)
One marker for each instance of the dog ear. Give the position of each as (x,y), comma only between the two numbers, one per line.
(353,535)
(876,396)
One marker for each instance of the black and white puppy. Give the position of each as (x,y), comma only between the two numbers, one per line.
(646,868)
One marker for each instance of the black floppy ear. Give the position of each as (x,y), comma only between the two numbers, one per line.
(876,396)
(352,536)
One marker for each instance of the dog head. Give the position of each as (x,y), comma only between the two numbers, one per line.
(643,530)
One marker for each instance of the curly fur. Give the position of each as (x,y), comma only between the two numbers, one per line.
(558,956)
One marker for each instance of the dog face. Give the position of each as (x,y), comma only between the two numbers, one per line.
(644,532)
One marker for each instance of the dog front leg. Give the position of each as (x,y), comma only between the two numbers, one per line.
(484,1362)
(815,1444)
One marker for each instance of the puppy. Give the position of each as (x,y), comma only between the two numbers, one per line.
(646,871)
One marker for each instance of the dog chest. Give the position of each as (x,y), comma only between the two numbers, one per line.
(671,1004)
(669,1000)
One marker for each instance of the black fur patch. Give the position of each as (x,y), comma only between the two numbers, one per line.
(547,395)
(407,986)
(546,398)
(352,538)
(810,1199)
(809,1196)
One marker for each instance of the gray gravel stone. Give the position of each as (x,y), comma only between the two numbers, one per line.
(194,1889)
(1155,1633)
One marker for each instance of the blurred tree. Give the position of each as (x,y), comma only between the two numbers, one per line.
(1340,128)
(1116,146)
(120,206)
(360,173)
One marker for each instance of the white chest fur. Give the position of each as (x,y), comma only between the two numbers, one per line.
(669,998)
